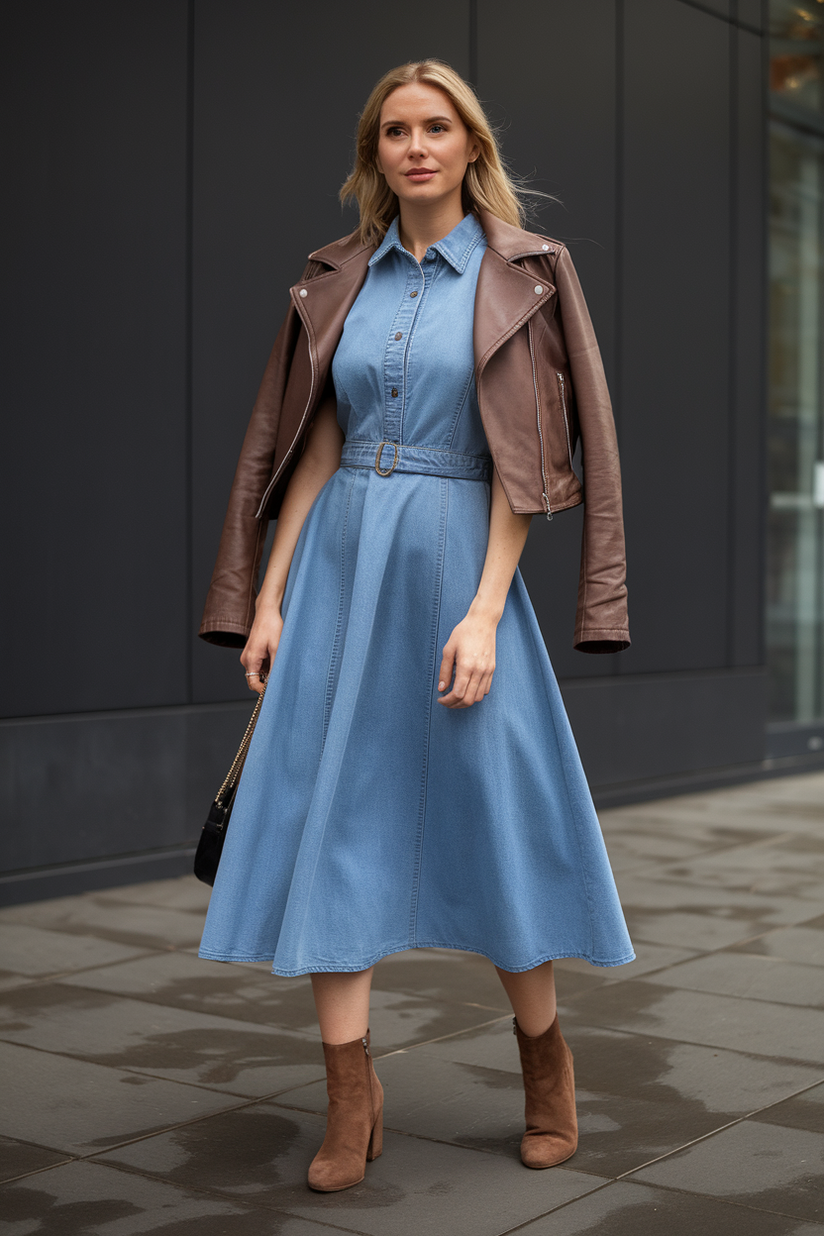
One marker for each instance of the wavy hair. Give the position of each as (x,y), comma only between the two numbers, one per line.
(487,184)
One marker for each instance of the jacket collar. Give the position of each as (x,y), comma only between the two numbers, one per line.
(506,297)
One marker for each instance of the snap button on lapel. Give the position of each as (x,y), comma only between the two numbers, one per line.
(545,248)
(303,292)
(538,289)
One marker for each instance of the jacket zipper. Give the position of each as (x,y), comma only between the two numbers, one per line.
(540,430)
(288,454)
(562,389)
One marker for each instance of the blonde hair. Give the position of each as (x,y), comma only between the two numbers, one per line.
(487,184)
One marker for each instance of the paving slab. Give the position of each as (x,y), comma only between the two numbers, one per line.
(59,1103)
(802,1111)
(181,893)
(804,944)
(90,1198)
(216,1052)
(625,1209)
(20,1158)
(35,951)
(702,930)
(90,914)
(748,976)
(654,891)
(769,1167)
(698,1017)
(417,1185)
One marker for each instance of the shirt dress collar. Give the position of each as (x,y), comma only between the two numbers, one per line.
(456,248)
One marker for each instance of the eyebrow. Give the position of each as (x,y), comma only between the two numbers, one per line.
(389,124)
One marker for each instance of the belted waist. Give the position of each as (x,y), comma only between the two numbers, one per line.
(387,457)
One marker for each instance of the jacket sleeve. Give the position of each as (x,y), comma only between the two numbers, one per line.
(602,623)
(230,604)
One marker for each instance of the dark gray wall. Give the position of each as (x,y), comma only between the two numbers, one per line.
(173,163)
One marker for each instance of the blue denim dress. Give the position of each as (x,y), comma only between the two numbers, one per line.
(370,818)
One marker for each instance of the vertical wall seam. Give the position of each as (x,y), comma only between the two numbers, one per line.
(763,482)
(732,366)
(189,351)
(618,234)
(473,42)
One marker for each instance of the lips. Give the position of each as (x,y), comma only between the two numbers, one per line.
(420,174)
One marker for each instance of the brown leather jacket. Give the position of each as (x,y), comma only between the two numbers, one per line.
(540,386)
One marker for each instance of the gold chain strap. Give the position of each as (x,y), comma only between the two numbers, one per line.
(237,763)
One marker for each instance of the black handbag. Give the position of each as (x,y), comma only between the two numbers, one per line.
(213,833)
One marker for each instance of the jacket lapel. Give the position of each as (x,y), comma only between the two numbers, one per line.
(323,301)
(506,295)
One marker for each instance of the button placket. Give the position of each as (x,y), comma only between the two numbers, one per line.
(395,355)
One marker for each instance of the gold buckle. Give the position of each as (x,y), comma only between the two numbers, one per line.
(385,471)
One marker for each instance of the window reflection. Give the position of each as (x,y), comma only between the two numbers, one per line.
(795,546)
(797,33)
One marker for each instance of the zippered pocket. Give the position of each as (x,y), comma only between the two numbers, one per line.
(562,393)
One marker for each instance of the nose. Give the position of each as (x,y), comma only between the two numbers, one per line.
(417,144)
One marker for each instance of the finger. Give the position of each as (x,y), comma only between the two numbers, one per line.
(483,688)
(255,672)
(447,666)
(457,696)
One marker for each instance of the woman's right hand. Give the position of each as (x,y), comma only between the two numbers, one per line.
(258,656)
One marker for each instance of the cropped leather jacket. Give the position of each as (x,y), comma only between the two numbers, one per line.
(541,387)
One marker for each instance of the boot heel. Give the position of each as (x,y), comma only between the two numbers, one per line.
(375,1148)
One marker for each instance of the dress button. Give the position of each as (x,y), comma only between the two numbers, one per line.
(544,247)
(394,392)
(538,289)
(399,335)
(303,292)
(413,294)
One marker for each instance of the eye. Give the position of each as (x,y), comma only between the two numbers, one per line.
(394,131)
(437,128)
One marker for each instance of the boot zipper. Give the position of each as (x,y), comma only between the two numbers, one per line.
(562,389)
(540,431)
(365,1046)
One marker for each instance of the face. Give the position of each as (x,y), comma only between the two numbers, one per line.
(424,146)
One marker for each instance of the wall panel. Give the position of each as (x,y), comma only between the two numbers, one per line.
(675,310)
(94,333)
(748,436)
(555,102)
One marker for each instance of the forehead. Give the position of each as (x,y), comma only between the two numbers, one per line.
(417,100)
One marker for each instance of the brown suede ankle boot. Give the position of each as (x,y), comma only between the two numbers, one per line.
(354,1120)
(549,1085)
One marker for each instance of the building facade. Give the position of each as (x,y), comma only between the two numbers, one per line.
(175,160)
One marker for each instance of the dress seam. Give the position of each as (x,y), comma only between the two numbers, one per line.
(334,659)
(433,652)
(573,817)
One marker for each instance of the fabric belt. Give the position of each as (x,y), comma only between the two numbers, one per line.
(387,457)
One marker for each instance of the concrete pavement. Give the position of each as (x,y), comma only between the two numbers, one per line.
(147,1091)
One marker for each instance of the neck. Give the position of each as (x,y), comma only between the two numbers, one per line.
(423,225)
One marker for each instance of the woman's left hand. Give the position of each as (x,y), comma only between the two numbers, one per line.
(470,652)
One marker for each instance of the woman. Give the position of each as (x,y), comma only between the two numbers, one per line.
(413,781)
